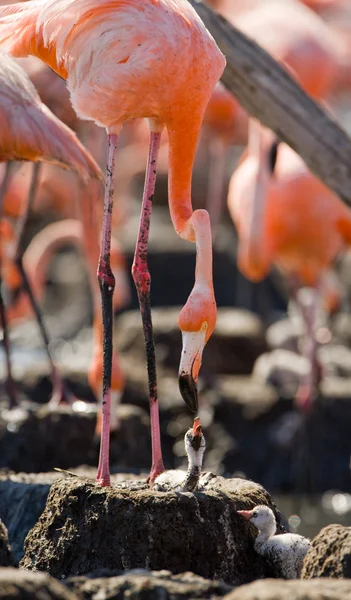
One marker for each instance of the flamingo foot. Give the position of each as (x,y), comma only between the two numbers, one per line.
(60,393)
(103,478)
(304,398)
(155,471)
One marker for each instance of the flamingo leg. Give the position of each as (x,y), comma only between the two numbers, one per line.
(142,282)
(5,184)
(107,286)
(307,388)
(59,393)
(10,383)
(216,179)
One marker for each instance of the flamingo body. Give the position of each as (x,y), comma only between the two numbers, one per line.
(75,42)
(297,37)
(30,131)
(304,225)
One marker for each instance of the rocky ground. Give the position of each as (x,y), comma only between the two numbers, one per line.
(127,541)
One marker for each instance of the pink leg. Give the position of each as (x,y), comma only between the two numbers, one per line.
(307,389)
(59,392)
(10,383)
(5,183)
(107,286)
(142,282)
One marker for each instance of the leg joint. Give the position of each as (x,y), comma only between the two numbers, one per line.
(142,278)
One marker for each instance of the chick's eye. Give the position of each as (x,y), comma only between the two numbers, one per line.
(254,514)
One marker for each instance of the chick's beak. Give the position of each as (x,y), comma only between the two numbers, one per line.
(197,429)
(197,434)
(247,514)
(193,345)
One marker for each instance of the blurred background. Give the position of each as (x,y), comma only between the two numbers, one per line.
(252,365)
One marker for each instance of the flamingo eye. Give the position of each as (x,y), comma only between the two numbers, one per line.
(255,514)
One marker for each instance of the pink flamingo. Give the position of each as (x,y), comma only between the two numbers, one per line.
(275,224)
(225,124)
(31,132)
(295,36)
(125,60)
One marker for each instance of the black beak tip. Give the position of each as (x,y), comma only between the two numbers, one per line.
(188,390)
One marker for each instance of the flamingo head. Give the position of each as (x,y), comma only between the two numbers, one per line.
(195,443)
(197,321)
(262,517)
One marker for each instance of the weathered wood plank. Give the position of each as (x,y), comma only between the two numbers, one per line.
(268,93)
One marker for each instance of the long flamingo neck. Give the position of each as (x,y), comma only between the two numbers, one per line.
(264,535)
(44,247)
(182,147)
(202,228)
(258,148)
(255,140)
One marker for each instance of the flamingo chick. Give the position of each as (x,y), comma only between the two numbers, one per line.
(123,60)
(286,551)
(181,481)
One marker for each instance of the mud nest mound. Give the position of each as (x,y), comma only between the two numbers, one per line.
(84,528)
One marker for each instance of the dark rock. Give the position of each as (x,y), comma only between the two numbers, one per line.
(43,438)
(330,555)
(249,411)
(21,585)
(6,557)
(277,589)
(84,528)
(233,348)
(297,451)
(146,585)
(22,500)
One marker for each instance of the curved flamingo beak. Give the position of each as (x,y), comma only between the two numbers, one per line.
(190,362)
(247,514)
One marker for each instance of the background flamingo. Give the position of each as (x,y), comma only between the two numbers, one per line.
(32,132)
(277,225)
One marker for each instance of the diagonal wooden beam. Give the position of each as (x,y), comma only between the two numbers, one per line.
(268,93)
